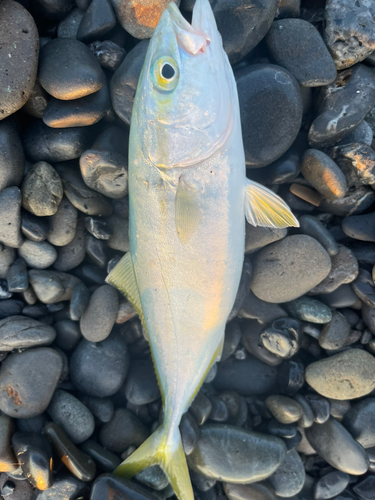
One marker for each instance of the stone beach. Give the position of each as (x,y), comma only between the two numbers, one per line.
(289,411)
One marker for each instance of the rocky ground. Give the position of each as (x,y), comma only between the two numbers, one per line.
(290,409)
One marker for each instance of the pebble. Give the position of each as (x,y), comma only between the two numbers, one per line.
(349,31)
(330,485)
(125,80)
(247,377)
(10,223)
(101,408)
(264,312)
(7,459)
(320,407)
(10,307)
(365,489)
(343,296)
(308,309)
(360,227)
(71,255)
(14,488)
(44,143)
(364,288)
(289,268)
(283,337)
(78,112)
(336,446)
(231,454)
(360,422)
(19,60)
(38,255)
(48,9)
(28,381)
(34,455)
(34,228)
(309,60)
(323,174)
(98,319)
(42,190)
(120,237)
(141,386)
(363,134)
(347,375)
(95,250)
(189,432)
(354,202)
(68,26)
(123,430)
(231,340)
(17,277)
(65,487)
(68,69)
(201,408)
(12,158)
(311,226)
(357,161)
(344,270)
(256,491)
(289,478)
(339,114)
(20,332)
(100,369)
(68,335)
(258,237)
(111,486)
(37,101)
(98,228)
(63,224)
(108,54)
(284,409)
(251,331)
(79,301)
(282,171)
(106,460)
(271,105)
(140,19)
(98,20)
(52,286)
(335,333)
(72,416)
(79,464)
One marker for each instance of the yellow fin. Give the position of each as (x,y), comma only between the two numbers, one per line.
(264,208)
(165,449)
(187,214)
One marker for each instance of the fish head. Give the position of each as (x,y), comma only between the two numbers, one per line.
(186,92)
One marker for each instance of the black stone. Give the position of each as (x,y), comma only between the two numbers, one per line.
(289,478)
(291,377)
(7,460)
(111,486)
(68,335)
(98,19)
(283,337)
(95,250)
(20,332)
(264,312)
(98,228)
(65,487)
(33,227)
(17,277)
(364,287)
(53,9)
(189,432)
(278,429)
(108,54)
(201,408)
(365,489)
(106,460)
(101,408)
(312,226)
(123,430)
(282,171)
(360,422)
(79,301)
(320,407)
(141,386)
(330,485)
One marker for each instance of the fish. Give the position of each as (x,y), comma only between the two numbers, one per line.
(188,200)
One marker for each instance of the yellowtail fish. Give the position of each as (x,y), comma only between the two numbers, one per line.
(188,196)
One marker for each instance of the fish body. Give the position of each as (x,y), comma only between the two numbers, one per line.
(188,197)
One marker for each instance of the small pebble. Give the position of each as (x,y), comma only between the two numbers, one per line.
(63,224)
(122,431)
(38,254)
(20,332)
(98,319)
(101,408)
(283,337)
(17,277)
(109,485)
(7,459)
(106,460)
(141,386)
(360,422)
(331,485)
(289,478)
(308,309)
(311,226)
(320,407)
(98,19)
(34,228)
(108,54)
(335,333)
(71,255)
(365,489)
(284,409)
(79,301)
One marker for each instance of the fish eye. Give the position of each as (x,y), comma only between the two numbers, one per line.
(165,74)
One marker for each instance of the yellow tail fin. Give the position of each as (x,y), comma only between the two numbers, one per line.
(164,449)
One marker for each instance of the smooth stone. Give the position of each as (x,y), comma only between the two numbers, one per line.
(349,31)
(347,375)
(141,386)
(19,60)
(320,407)
(38,254)
(52,286)
(98,20)
(363,134)
(20,332)
(251,330)
(365,489)
(360,422)
(111,486)
(95,250)
(17,277)
(100,369)
(360,227)
(108,54)
(7,257)
(323,174)
(283,337)
(101,408)
(42,143)
(282,171)
(336,446)
(272,104)
(34,454)
(68,334)
(28,381)
(125,80)
(308,309)
(63,224)
(105,172)
(120,237)
(344,270)
(71,255)
(339,408)
(10,307)
(354,202)
(289,268)
(307,418)
(231,340)
(335,333)
(100,315)
(189,432)
(79,464)
(343,296)
(228,453)
(201,483)
(37,101)
(247,377)
(284,409)
(10,222)
(42,190)
(98,228)
(52,9)
(289,478)
(309,60)
(236,407)
(330,485)
(255,491)
(311,226)
(364,287)
(140,19)
(4,290)
(33,227)
(78,112)
(65,487)
(357,161)
(7,460)
(68,26)
(264,312)
(80,196)
(106,460)
(12,158)
(72,416)
(123,430)
(68,69)
(79,301)
(201,408)
(339,114)
(258,237)
(153,477)
(364,252)
(291,377)
(285,431)
(368,316)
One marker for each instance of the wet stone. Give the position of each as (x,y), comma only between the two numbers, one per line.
(37,254)
(360,422)
(98,19)
(117,487)
(335,333)
(98,319)
(336,446)
(123,430)
(107,460)
(228,453)
(98,228)
(320,407)
(257,491)
(284,409)
(20,332)
(79,301)
(346,375)
(309,61)
(272,108)
(323,174)
(63,224)
(34,454)
(72,416)
(17,278)
(330,485)
(289,268)
(283,337)
(28,380)
(7,459)
(71,255)
(141,386)
(100,369)
(12,159)
(42,190)
(289,478)
(52,286)
(108,54)
(34,228)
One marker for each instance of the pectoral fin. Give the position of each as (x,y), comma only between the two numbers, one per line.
(187,213)
(264,208)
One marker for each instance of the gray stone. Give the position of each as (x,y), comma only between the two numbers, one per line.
(284,409)
(255,491)
(354,202)
(99,18)
(108,54)
(8,461)
(363,134)
(79,301)
(251,330)
(68,334)
(37,101)
(323,174)
(335,333)
(101,408)
(360,227)
(98,319)
(38,254)
(21,332)
(12,158)
(141,386)
(308,309)
(312,226)
(357,161)
(124,430)
(71,255)
(120,233)
(42,190)
(63,224)
(68,27)
(10,221)
(7,257)
(330,485)
(17,277)
(52,286)
(359,420)
(258,236)
(289,478)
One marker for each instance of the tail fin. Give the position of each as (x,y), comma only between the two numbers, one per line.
(166,450)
